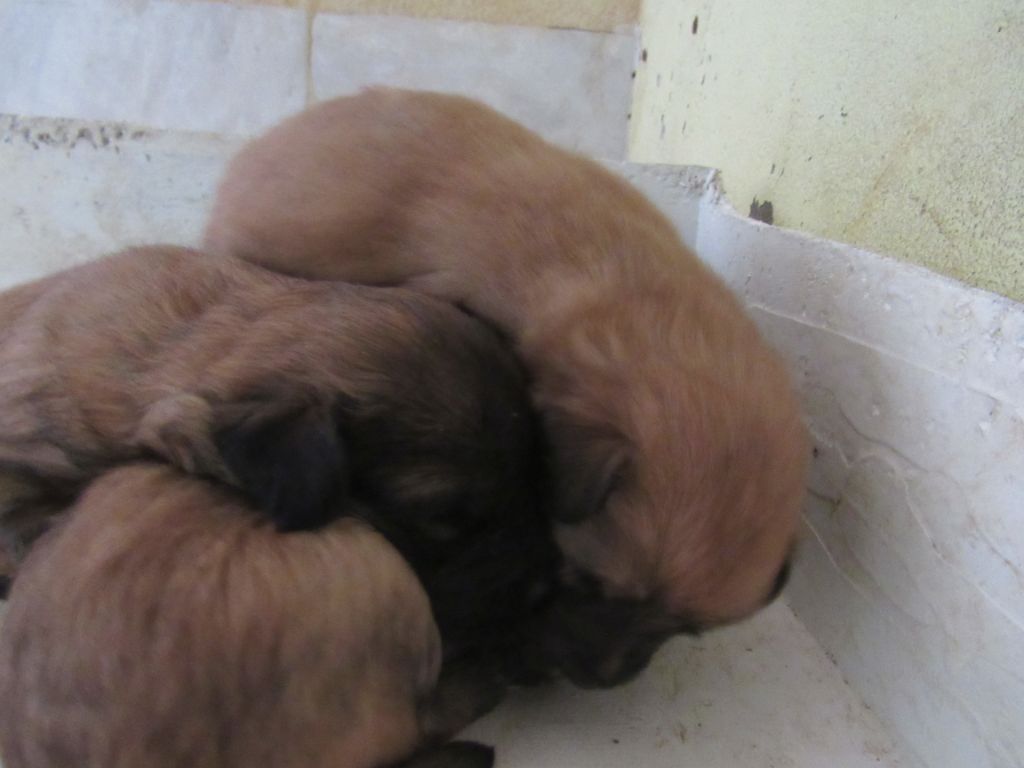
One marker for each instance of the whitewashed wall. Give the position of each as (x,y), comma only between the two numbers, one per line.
(911,575)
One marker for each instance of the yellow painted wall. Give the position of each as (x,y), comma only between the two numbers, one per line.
(597,15)
(897,126)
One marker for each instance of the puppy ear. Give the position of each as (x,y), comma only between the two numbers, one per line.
(587,467)
(289,459)
(455,754)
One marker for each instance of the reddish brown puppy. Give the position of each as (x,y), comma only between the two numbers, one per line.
(164,623)
(680,454)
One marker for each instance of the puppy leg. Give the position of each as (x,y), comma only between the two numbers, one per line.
(466,691)
(177,429)
(27,511)
(456,754)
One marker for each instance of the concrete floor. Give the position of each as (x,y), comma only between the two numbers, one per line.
(759,695)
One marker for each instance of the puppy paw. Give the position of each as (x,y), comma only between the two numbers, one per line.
(176,429)
(456,754)
(466,691)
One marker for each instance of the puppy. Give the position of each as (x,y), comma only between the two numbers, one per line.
(303,395)
(164,623)
(679,452)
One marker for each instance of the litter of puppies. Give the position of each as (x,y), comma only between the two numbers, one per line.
(294,499)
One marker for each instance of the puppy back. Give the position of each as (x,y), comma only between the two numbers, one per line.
(164,624)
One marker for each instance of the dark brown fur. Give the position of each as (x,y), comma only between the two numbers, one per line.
(303,394)
(680,455)
(164,623)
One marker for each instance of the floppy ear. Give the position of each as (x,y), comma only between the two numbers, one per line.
(289,459)
(587,465)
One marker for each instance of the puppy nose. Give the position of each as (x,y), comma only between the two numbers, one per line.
(617,671)
(612,669)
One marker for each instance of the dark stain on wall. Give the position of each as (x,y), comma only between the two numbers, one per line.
(762,211)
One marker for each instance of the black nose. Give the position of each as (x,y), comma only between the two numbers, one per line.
(609,670)
(603,678)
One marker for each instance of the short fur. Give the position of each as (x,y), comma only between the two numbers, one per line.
(300,393)
(164,623)
(680,455)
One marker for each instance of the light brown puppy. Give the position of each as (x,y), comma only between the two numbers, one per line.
(680,452)
(164,623)
(304,395)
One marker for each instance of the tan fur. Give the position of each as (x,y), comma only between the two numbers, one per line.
(154,349)
(166,624)
(652,379)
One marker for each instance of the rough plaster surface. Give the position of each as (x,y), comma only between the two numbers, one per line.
(894,126)
(74,190)
(571,86)
(912,570)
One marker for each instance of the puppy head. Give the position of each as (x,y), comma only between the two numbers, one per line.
(448,454)
(421,416)
(699,480)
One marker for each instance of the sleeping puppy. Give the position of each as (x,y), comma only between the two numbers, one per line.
(299,393)
(679,452)
(165,623)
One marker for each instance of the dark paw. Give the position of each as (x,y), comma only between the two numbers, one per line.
(290,462)
(466,691)
(456,754)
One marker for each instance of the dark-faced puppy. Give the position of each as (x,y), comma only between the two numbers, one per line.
(679,452)
(299,393)
(164,623)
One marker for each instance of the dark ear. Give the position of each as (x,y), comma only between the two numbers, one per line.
(587,466)
(289,459)
(455,754)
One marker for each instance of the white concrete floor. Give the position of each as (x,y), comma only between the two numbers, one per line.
(759,695)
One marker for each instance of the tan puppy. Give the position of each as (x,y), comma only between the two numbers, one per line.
(302,394)
(680,453)
(165,624)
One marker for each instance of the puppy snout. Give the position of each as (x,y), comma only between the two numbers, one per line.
(616,666)
(598,642)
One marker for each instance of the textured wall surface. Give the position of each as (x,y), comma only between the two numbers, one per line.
(894,126)
(911,575)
